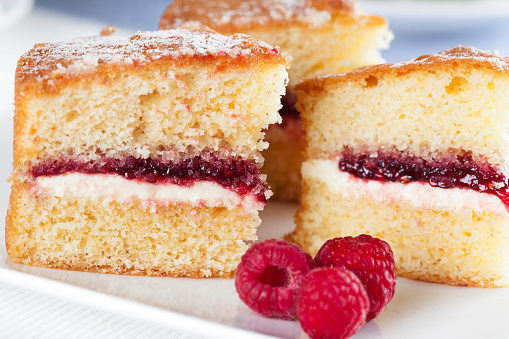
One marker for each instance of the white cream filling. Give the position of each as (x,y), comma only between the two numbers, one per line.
(111,187)
(420,195)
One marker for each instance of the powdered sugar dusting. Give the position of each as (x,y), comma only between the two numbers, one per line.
(242,12)
(459,53)
(250,13)
(85,54)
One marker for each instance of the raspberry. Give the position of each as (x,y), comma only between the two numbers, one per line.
(333,303)
(370,259)
(269,276)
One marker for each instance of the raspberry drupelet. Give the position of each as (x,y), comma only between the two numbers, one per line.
(269,276)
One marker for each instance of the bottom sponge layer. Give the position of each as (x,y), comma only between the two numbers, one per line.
(138,238)
(453,246)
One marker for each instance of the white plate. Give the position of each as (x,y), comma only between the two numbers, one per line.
(436,16)
(210,307)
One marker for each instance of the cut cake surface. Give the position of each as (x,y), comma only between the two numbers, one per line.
(140,155)
(414,153)
(323,37)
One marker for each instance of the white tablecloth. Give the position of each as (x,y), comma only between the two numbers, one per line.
(28,314)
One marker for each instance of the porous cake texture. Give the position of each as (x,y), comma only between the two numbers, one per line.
(323,37)
(140,155)
(416,153)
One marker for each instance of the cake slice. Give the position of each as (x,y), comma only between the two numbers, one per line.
(322,36)
(415,153)
(140,155)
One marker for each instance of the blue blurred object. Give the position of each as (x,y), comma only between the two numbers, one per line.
(429,26)
(127,14)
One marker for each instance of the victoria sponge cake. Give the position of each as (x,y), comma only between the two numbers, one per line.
(415,153)
(140,155)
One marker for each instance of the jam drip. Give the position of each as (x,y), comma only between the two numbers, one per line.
(238,175)
(460,172)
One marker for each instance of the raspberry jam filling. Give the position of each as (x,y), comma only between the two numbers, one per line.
(238,175)
(462,172)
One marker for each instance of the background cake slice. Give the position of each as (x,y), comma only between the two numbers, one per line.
(416,153)
(322,37)
(140,155)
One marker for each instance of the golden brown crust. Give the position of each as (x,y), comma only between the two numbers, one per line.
(439,279)
(455,58)
(50,65)
(236,16)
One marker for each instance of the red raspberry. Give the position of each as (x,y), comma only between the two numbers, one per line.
(269,276)
(333,303)
(370,259)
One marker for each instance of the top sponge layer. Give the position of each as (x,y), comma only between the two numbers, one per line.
(455,58)
(154,94)
(434,105)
